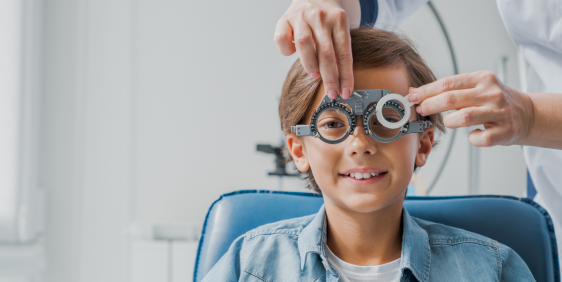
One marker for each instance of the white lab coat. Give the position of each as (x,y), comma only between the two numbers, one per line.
(535,26)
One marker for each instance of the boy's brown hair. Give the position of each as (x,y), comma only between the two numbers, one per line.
(371,48)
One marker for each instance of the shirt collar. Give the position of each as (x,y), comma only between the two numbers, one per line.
(416,253)
(313,238)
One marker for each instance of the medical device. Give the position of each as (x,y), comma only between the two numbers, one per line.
(385,117)
(456,71)
(280,165)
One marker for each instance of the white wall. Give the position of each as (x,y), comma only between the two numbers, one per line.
(87,130)
(153,109)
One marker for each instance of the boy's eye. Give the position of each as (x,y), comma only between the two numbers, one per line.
(390,119)
(380,130)
(332,124)
(390,115)
(332,129)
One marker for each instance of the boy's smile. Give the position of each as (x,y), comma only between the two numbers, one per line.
(368,176)
(361,174)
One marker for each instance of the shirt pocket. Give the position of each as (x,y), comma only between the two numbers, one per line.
(248,276)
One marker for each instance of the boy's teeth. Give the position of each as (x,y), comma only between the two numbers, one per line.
(366,175)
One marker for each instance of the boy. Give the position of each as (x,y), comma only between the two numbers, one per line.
(362,232)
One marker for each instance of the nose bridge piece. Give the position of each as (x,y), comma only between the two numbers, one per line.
(359,108)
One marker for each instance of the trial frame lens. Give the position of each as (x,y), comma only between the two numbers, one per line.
(332,113)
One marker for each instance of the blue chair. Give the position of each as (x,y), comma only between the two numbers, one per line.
(520,224)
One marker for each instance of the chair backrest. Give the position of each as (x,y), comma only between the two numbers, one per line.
(520,224)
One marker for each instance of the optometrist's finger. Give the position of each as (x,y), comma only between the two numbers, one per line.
(487,138)
(327,63)
(469,116)
(284,37)
(450,100)
(304,41)
(342,49)
(456,82)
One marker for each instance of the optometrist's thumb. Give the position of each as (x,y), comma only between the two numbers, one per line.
(419,94)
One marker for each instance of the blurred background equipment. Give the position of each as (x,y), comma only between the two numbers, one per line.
(453,131)
(280,165)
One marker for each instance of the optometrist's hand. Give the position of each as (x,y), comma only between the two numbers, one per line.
(480,98)
(318,30)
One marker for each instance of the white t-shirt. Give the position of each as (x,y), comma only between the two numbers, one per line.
(389,272)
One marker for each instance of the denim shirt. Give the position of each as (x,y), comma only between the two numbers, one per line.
(295,250)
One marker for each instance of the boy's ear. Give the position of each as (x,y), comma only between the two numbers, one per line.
(424,146)
(297,151)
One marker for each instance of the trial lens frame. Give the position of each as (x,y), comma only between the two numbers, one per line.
(358,101)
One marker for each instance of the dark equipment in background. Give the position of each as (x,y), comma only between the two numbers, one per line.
(280,165)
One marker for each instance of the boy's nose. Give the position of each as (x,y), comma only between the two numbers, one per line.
(362,143)
(359,128)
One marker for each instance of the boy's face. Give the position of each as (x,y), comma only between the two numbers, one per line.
(361,153)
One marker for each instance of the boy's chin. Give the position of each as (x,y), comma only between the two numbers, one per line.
(370,203)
